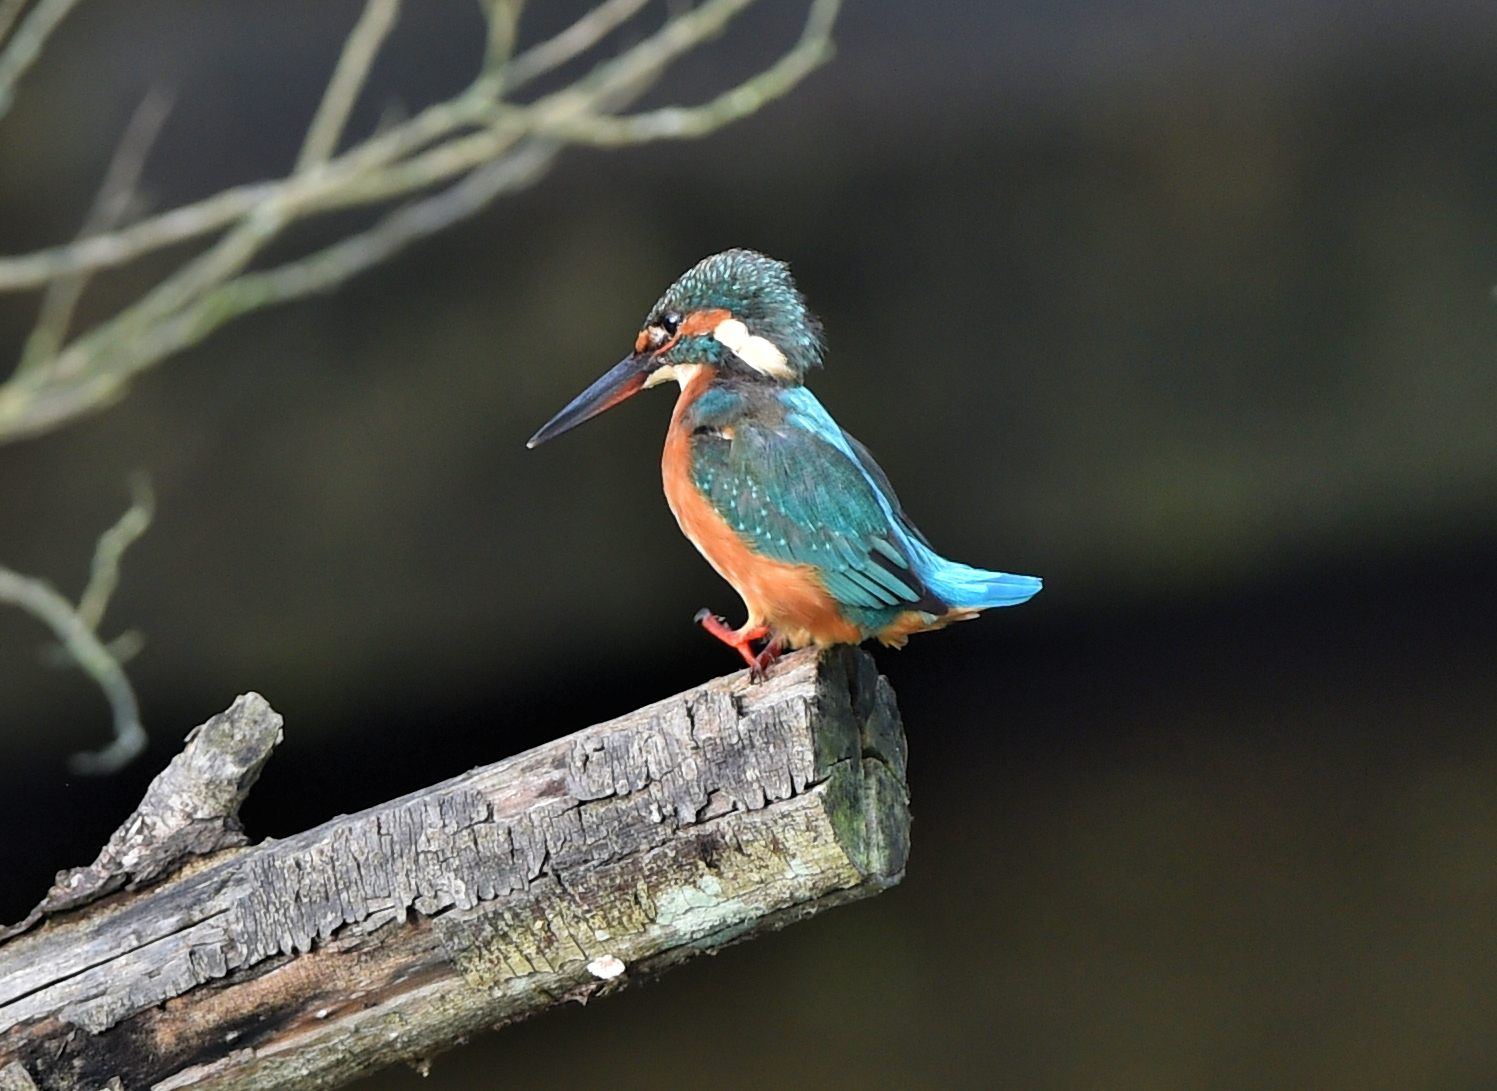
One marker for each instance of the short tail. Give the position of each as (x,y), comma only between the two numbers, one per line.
(963,587)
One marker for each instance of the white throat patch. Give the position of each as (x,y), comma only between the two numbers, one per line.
(762,355)
(682,373)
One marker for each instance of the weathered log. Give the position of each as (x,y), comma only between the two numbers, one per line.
(388,935)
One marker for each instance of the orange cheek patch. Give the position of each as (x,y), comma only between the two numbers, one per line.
(704,321)
(694,323)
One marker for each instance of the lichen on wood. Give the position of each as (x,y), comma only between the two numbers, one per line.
(560,873)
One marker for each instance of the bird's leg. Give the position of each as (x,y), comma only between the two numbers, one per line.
(737,639)
(759,668)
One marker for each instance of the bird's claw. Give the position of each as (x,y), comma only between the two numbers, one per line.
(740,640)
(767,657)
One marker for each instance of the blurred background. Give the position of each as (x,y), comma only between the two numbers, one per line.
(1186,307)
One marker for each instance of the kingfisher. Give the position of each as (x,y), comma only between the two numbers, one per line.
(785,504)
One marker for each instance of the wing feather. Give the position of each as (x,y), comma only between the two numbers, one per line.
(798,498)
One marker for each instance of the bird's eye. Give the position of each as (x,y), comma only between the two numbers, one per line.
(659,331)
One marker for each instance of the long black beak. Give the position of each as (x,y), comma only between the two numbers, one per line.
(624,380)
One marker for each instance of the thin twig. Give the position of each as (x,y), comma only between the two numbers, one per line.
(116,195)
(504,28)
(296,196)
(104,251)
(104,574)
(335,264)
(647,59)
(577,39)
(690,122)
(38,599)
(343,89)
(9,9)
(21,52)
(75,630)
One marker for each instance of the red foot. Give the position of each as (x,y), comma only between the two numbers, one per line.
(740,639)
(759,670)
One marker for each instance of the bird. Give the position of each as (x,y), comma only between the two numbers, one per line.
(783,503)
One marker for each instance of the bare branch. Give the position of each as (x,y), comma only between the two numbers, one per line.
(577,39)
(21,52)
(9,11)
(343,89)
(681,123)
(345,181)
(295,196)
(104,575)
(116,195)
(564,115)
(504,29)
(302,194)
(318,272)
(76,631)
(104,251)
(477,144)
(335,264)
(39,599)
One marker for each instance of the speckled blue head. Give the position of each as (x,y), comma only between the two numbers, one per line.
(756,290)
(737,311)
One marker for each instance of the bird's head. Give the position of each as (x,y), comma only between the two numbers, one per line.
(737,312)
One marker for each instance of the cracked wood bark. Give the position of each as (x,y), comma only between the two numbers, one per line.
(388,935)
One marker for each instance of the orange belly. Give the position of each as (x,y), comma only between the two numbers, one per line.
(787,598)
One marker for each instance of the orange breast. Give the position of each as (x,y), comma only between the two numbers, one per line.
(788,598)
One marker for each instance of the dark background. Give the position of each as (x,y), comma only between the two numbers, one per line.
(1185,306)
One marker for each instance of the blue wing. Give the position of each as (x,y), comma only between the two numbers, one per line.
(950,582)
(796,497)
